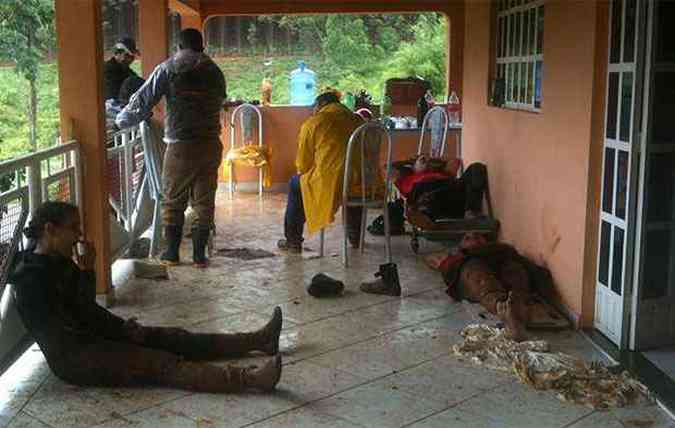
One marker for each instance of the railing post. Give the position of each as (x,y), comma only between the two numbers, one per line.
(126,179)
(34,185)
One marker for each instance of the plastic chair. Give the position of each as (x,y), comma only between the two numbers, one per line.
(367,139)
(241,110)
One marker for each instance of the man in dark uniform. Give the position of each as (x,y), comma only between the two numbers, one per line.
(117,68)
(194,88)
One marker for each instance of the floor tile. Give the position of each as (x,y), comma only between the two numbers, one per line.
(24,420)
(376,405)
(304,418)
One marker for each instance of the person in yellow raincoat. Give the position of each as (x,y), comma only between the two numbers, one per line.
(315,193)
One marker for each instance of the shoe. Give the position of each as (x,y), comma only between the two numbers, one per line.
(291,247)
(387,283)
(173,235)
(323,285)
(264,378)
(271,332)
(200,237)
(377,227)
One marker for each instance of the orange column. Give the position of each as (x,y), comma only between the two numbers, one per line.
(80,65)
(153,24)
(192,21)
(455,14)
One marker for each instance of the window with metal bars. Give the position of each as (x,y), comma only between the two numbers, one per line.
(519,52)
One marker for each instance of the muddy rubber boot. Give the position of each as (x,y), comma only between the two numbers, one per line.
(173,235)
(266,339)
(387,283)
(264,378)
(200,237)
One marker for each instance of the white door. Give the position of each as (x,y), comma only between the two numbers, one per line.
(653,320)
(619,172)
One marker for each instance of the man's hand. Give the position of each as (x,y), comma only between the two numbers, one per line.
(85,255)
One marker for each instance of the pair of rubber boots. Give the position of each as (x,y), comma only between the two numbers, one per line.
(174,235)
(387,282)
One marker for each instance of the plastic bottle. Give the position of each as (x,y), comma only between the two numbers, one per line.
(454,109)
(429,98)
(303,85)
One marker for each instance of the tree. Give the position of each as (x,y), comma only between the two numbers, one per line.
(26,35)
(426,55)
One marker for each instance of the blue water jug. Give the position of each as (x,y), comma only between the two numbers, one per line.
(303,86)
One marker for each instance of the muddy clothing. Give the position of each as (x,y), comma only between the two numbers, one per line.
(114,74)
(85,344)
(491,271)
(449,197)
(190,174)
(194,88)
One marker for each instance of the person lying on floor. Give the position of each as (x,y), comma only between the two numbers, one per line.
(435,193)
(494,275)
(86,345)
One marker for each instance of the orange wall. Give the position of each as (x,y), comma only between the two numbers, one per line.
(281,126)
(539,162)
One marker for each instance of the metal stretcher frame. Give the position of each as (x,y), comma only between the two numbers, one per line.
(447,229)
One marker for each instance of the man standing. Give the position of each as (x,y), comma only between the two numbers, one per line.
(194,88)
(117,69)
(315,193)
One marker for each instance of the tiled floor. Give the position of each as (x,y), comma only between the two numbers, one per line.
(358,360)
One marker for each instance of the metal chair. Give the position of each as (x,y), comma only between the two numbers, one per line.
(366,140)
(437,117)
(240,111)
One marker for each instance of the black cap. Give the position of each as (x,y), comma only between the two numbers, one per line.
(128,45)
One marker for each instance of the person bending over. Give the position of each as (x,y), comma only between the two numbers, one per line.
(86,345)
(494,275)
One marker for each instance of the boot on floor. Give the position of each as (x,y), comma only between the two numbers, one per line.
(200,238)
(173,236)
(264,340)
(387,283)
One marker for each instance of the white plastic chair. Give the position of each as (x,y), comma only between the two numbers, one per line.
(240,110)
(367,138)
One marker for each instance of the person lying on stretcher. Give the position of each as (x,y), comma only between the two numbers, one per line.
(433,192)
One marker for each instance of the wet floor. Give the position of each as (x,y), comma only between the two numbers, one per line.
(357,360)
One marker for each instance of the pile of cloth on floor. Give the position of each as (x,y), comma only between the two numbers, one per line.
(573,379)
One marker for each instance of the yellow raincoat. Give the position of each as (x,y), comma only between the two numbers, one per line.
(320,161)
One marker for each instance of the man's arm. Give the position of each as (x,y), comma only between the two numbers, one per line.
(141,103)
(304,160)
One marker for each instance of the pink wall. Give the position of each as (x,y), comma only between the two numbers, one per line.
(539,162)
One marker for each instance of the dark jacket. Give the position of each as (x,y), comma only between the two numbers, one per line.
(56,301)
(194,88)
(114,74)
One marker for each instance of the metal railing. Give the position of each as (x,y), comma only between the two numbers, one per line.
(134,185)
(47,175)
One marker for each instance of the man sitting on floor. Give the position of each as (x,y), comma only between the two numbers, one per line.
(494,275)
(315,193)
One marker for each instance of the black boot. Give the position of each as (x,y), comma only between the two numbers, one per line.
(200,237)
(173,236)
(387,282)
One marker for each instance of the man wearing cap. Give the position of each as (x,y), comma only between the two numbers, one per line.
(194,88)
(117,68)
(315,193)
